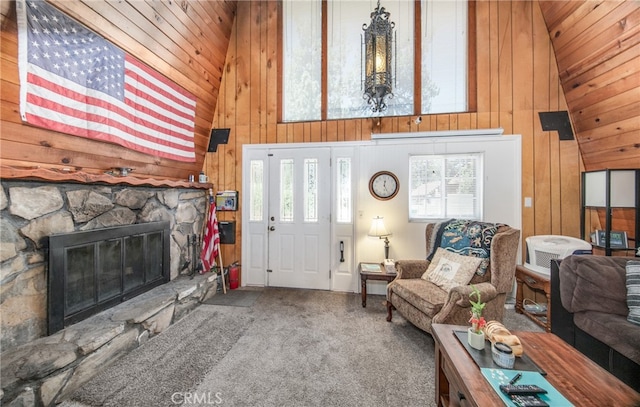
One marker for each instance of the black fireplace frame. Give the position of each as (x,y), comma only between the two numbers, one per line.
(58,245)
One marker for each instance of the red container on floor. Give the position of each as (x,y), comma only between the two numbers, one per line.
(234,275)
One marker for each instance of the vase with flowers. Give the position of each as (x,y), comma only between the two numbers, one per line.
(475,335)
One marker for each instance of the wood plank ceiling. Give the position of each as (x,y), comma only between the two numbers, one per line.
(596,44)
(597,48)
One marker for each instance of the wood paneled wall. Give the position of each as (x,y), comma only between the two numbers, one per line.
(232,66)
(184,40)
(517,77)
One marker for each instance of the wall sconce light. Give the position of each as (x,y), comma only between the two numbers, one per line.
(380,231)
(377,50)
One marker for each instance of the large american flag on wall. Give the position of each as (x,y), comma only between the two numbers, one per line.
(75,82)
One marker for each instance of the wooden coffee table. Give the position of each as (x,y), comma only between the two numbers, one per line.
(580,380)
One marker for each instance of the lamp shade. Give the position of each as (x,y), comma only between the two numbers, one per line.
(622,187)
(377,228)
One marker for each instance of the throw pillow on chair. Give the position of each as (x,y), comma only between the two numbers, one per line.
(448,270)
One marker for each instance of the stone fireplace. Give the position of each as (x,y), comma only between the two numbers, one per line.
(30,212)
(81,221)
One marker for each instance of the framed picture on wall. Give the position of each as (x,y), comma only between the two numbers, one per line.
(617,239)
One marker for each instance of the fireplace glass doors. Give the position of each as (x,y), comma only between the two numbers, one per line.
(93,270)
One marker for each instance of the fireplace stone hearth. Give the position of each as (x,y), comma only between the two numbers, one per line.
(47,370)
(30,211)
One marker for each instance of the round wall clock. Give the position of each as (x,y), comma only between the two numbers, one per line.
(384,185)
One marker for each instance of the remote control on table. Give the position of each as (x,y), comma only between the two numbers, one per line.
(527,401)
(521,389)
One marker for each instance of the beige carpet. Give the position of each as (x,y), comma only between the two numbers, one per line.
(235,298)
(291,348)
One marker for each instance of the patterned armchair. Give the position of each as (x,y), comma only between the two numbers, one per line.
(424,303)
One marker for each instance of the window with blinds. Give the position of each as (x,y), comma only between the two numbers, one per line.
(445,186)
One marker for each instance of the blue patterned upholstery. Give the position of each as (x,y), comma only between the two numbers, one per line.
(465,237)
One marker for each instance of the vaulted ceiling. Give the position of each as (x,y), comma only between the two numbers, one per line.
(597,48)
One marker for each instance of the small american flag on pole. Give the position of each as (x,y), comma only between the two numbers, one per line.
(211,240)
(75,82)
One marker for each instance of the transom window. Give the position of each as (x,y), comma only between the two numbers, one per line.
(433,80)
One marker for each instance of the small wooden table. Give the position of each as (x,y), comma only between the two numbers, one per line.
(538,282)
(365,275)
(459,380)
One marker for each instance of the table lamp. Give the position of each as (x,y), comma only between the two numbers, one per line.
(380,231)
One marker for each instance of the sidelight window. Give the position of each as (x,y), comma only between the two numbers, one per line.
(256,180)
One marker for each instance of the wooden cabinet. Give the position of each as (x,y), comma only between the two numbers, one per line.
(600,251)
(536,282)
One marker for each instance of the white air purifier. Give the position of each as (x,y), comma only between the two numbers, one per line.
(544,248)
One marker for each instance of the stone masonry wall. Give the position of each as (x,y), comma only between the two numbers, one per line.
(31,211)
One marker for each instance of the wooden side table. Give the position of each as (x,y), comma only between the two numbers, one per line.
(537,282)
(367,274)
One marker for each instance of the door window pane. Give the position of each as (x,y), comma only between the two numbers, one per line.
(343,190)
(311,190)
(286,190)
(256,192)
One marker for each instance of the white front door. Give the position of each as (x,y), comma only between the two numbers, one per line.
(299,221)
